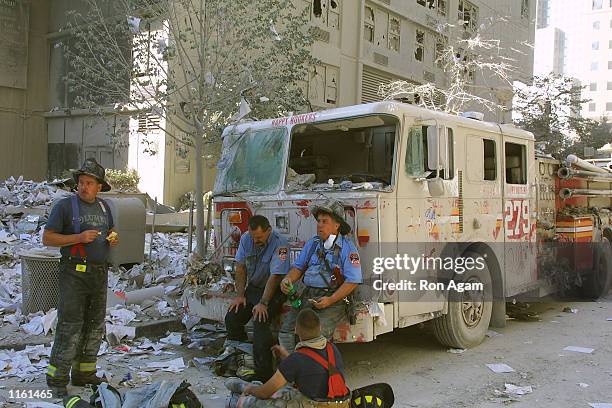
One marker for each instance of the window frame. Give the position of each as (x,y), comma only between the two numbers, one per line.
(419,45)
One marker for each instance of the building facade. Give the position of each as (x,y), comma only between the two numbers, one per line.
(585,48)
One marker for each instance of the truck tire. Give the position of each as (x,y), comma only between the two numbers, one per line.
(597,283)
(469,313)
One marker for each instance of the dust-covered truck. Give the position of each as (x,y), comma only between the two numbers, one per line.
(427,194)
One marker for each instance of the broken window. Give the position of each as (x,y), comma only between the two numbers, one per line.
(419,47)
(596,25)
(394,34)
(468,15)
(442,7)
(326,13)
(368,31)
(489,160)
(323,85)
(252,161)
(524,8)
(421,2)
(440,50)
(597,4)
(420,162)
(354,149)
(439,5)
(516,163)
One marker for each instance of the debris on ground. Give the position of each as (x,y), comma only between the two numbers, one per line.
(518,390)
(500,368)
(583,385)
(570,310)
(521,311)
(579,349)
(455,351)
(492,333)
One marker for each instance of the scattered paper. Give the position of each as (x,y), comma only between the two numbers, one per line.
(176,365)
(500,368)
(173,338)
(600,404)
(119,332)
(579,349)
(570,310)
(122,316)
(516,390)
(34,327)
(37,404)
(456,351)
(583,385)
(609,319)
(49,321)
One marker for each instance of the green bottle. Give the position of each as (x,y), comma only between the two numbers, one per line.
(294,299)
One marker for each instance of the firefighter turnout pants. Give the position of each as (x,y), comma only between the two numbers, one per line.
(80,325)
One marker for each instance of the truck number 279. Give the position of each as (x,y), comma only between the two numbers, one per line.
(516,218)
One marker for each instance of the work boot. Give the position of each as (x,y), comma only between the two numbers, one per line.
(57,386)
(58,391)
(81,380)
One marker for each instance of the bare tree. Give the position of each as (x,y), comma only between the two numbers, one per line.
(198,64)
(463,60)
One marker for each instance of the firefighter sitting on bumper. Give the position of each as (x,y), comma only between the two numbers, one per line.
(315,370)
(262,257)
(82,226)
(330,266)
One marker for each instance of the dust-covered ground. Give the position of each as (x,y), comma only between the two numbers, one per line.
(425,374)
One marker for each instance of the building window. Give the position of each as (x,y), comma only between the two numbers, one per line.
(326,13)
(441,45)
(594,66)
(595,45)
(592,107)
(609,86)
(608,106)
(596,25)
(524,8)
(468,13)
(438,5)
(597,4)
(323,85)
(610,44)
(419,47)
(609,64)
(394,34)
(593,86)
(368,24)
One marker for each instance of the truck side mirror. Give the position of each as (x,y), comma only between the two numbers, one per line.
(435,187)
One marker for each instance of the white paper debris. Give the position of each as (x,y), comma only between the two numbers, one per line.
(120,331)
(40,404)
(579,349)
(500,368)
(609,319)
(516,390)
(34,327)
(583,385)
(121,316)
(176,365)
(49,321)
(455,351)
(173,338)
(600,404)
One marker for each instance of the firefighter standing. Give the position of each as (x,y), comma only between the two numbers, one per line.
(82,225)
(331,268)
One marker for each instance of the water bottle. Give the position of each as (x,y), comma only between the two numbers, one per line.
(294,299)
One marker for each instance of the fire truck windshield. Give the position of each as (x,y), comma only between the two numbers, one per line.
(252,161)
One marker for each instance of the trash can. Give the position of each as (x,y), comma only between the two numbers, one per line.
(39,280)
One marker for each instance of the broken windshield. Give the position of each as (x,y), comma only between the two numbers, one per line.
(252,161)
(353,152)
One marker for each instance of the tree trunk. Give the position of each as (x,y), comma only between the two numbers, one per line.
(199,144)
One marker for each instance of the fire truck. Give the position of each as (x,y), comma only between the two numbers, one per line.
(425,183)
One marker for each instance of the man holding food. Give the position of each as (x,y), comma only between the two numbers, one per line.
(82,226)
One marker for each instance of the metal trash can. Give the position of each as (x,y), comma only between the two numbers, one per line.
(40,271)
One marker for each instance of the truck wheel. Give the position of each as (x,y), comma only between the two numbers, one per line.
(469,312)
(597,283)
